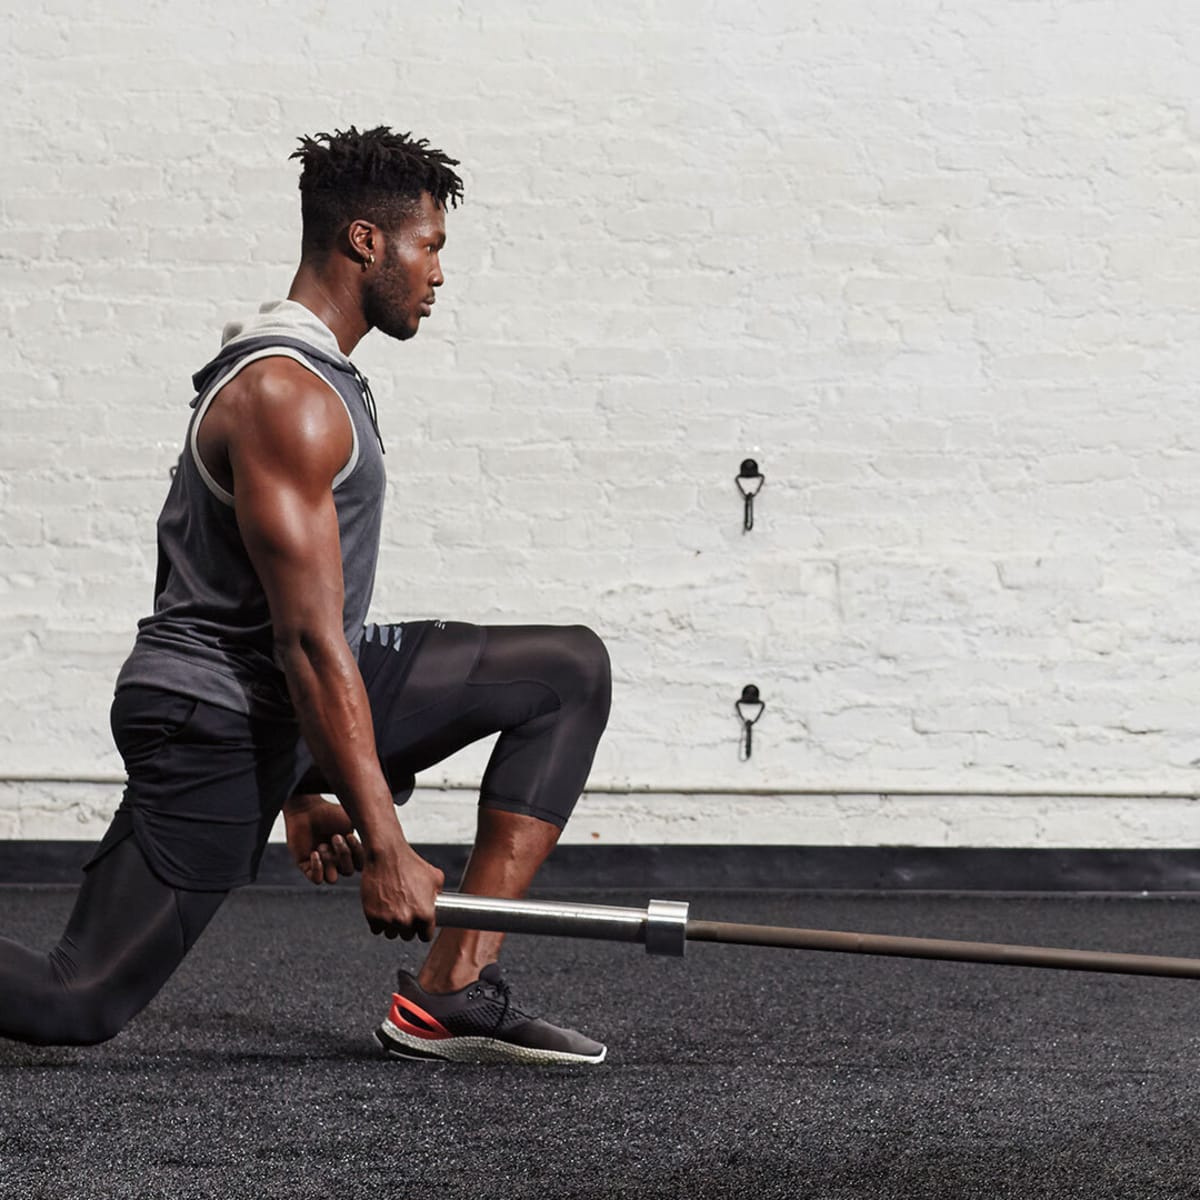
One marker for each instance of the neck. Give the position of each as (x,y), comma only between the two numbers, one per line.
(334,301)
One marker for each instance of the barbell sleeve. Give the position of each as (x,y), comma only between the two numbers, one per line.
(661,926)
(664,927)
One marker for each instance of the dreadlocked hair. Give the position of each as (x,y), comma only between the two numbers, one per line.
(375,175)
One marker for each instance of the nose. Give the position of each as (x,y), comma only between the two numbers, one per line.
(437,278)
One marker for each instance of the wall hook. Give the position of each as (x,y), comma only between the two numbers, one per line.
(749,480)
(750,703)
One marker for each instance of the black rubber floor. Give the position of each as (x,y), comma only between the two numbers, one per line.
(736,1072)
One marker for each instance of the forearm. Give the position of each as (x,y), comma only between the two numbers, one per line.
(335,720)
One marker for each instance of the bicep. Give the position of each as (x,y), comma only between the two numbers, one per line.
(283,462)
(292,540)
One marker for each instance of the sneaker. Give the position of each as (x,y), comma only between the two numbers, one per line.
(478,1024)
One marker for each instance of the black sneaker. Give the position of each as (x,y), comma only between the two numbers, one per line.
(479,1024)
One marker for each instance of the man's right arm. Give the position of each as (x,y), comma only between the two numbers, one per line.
(286,436)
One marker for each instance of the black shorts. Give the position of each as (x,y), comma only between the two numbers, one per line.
(206,784)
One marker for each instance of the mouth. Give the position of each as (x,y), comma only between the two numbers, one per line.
(426,306)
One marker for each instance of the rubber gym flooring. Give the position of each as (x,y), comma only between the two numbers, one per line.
(736,1072)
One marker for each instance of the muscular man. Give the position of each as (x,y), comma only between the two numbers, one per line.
(255,684)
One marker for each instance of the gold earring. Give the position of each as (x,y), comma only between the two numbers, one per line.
(369,261)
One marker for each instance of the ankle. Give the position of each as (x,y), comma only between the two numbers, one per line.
(453,978)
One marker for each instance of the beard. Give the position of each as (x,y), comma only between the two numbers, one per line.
(390,304)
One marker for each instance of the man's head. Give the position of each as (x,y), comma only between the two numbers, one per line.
(376,200)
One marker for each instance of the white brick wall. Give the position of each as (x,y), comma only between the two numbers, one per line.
(932,265)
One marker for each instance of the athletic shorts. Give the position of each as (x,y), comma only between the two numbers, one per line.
(206,784)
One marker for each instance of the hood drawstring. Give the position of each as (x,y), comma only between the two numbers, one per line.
(369,401)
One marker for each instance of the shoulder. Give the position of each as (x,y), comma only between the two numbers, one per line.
(276,408)
(279,384)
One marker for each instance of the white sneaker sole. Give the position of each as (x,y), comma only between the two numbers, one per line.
(399,1044)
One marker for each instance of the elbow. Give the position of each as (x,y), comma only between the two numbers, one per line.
(306,647)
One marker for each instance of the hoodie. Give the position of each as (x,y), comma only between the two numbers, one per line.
(210,634)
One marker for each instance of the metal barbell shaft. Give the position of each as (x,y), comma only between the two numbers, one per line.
(938,948)
(663,926)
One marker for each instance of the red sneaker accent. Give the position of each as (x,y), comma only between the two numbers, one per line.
(430,1028)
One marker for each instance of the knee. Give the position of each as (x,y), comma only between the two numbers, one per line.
(79,1018)
(587,661)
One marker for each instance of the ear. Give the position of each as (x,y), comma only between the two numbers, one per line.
(364,240)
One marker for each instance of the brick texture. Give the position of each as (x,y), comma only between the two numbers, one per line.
(932,266)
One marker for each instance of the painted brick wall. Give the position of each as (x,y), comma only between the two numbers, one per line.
(933,265)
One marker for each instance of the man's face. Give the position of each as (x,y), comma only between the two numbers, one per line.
(402,290)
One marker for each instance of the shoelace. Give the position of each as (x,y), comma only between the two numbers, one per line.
(369,401)
(501,986)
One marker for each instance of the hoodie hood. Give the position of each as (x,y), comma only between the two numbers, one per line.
(284,321)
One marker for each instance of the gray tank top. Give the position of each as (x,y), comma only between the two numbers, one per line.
(210,634)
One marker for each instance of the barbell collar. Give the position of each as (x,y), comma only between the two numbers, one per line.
(666,927)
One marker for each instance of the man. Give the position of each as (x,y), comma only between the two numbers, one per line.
(255,685)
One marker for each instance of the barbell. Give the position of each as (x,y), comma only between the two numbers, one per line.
(664,927)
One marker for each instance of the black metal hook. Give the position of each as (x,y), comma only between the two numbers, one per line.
(750,699)
(749,480)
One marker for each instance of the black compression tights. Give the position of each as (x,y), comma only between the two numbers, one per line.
(126,935)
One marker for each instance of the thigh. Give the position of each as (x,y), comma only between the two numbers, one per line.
(128,923)
(424,713)
(445,695)
(204,785)
(401,699)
